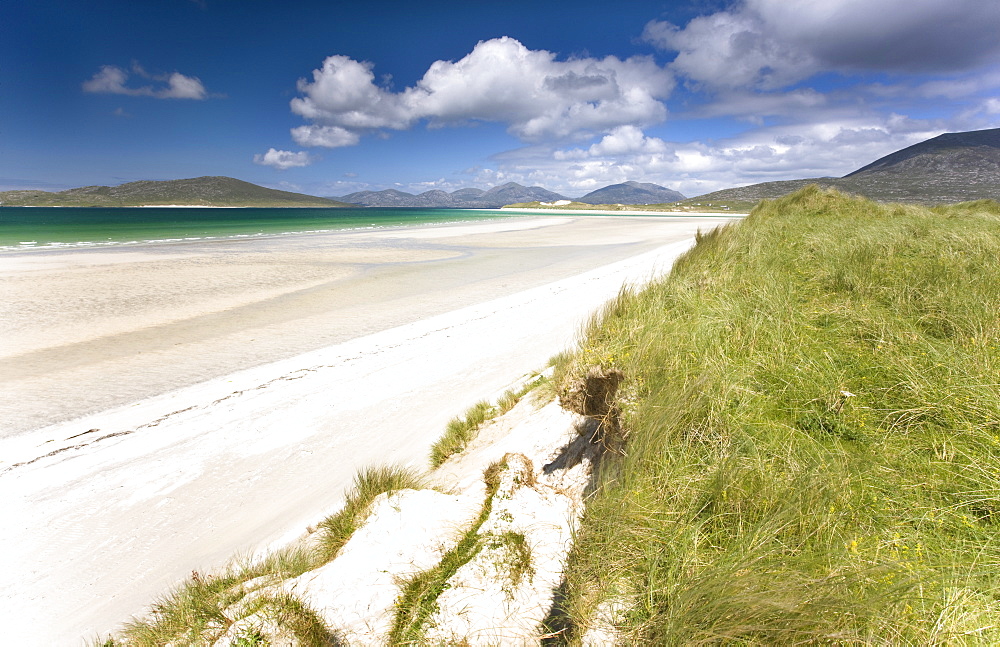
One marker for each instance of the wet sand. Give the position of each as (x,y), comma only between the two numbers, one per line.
(169,406)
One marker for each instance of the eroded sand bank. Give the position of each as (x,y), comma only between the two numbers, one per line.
(194,447)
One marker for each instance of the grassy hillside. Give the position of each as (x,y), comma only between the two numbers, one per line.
(813,417)
(209,191)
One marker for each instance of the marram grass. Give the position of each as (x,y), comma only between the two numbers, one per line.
(336,530)
(812,403)
(199,610)
(462,430)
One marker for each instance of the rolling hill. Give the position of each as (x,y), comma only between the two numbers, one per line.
(632,193)
(209,191)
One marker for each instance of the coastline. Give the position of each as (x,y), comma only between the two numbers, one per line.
(629,212)
(185,479)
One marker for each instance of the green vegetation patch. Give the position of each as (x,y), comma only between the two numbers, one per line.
(336,529)
(418,598)
(812,406)
(195,613)
(203,608)
(463,430)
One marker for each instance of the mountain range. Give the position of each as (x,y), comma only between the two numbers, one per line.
(209,191)
(510,193)
(953,167)
(217,191)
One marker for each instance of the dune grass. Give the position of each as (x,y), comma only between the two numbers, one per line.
(196,610)
(418,596)
(812,403)
(463,430)
(292,616)
(336,529)
(201,609)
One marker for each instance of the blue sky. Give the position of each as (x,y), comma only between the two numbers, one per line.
(330,97)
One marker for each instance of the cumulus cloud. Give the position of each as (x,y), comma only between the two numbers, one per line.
(768,44)
(621,141)
(182,87)
(731,50)
(282,160)
(835,144)
(111,79)
(538,97)
(326,136)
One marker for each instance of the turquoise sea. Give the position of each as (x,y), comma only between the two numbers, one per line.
(53,227)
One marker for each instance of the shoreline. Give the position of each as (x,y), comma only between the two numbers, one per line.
(630,212)
(121,503)
(34,246)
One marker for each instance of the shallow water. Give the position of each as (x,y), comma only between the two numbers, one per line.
(53,227)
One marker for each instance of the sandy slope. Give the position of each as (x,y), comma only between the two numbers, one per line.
(106,511)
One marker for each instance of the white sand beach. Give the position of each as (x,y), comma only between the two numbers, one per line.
(169,406)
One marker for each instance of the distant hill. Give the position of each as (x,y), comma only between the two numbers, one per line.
(209,191)
(632,193)
(461,199)
(510,193)
(953,167)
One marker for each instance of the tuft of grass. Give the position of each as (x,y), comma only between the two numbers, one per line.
(336,529)
(294,616)
(813,413)
(463,430)
(418,598)
(460,432)
(195,611)
(518,562)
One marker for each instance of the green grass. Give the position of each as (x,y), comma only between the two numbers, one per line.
(418,597)
(463,430)
(195,611)
(291,614)
(812,402)
(517,564)
(336,529)
(672,208)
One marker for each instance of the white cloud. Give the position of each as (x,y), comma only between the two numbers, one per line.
(731,50)
(182,87)
(538,97)
(111,79)
(327,136)
(624,140)
(991,106)
(282,160)
(833,145)
(961,87)
(769,44)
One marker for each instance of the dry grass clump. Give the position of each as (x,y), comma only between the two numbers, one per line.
(812,405)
